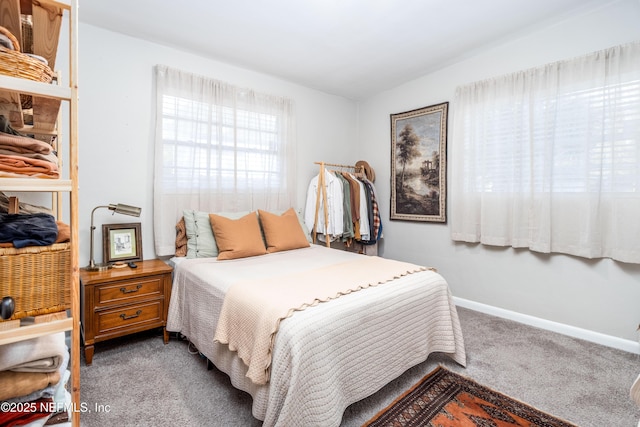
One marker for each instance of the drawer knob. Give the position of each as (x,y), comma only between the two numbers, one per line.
(7,308)
(133,316)
(128,291)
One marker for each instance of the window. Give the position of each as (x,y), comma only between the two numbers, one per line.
(216,147)
(549,158)
(219,148)
(588,155)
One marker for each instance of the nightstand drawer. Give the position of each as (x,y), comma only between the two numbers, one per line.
(129,317)
(128,290)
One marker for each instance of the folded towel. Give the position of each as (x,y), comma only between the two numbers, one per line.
(49,390)
(23,144)
(42,354)
(15,384)
(17,166)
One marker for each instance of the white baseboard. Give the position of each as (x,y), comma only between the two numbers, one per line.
(572,331)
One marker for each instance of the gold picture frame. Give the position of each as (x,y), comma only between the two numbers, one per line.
(419,164)
(122,242)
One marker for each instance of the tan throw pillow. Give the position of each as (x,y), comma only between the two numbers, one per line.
(282,232)
(237,238)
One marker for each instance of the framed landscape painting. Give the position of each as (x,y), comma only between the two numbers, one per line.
(418,164)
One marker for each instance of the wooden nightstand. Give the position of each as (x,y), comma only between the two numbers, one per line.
(121,301)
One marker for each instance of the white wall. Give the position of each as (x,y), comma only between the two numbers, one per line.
(116,125)
(596,295)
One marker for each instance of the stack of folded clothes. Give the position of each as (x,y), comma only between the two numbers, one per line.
(33,226)
(22,156)
(33,378)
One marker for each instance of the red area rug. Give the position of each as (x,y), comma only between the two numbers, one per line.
(446,399)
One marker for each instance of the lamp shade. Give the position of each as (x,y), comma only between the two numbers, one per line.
(126,209)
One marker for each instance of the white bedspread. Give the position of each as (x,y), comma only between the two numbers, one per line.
(328,356)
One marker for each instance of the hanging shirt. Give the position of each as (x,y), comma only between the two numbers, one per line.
(355,204)
(347,222)
(364,212)
(334,206)
(374,218)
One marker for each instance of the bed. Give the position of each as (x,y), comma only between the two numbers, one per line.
(330,354)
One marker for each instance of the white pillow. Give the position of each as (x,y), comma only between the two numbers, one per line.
(200,240)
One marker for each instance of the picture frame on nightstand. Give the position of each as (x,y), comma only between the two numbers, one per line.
(122,242)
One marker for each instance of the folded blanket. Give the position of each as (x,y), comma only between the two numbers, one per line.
(16,384)
(64,232)
(16,166)
(47,390)
(23,144)
(49,157)
(42,354)
(40,407)
(64,235)
(252,310)
(28,229)
(60,391)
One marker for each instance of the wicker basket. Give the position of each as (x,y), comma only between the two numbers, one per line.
(11,37)
(37,277)
(16,64)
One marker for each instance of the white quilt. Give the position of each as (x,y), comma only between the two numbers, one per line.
(328,356)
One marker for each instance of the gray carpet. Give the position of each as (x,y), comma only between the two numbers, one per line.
(138,381)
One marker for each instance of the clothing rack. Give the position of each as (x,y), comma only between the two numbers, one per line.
(323,194)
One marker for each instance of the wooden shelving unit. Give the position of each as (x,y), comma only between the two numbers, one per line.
(36,330)
(40,118)
(46,17)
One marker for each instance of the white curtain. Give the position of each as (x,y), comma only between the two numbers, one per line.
(549,158)
(218,148)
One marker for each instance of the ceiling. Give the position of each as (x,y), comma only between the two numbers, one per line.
(351,48)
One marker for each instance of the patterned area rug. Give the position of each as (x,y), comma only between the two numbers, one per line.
(447,399)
